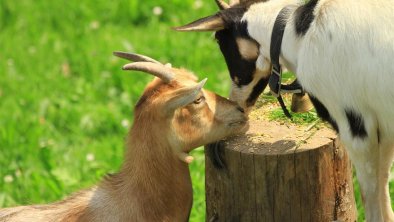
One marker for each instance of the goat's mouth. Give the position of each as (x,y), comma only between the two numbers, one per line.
(239,127)
(238,123)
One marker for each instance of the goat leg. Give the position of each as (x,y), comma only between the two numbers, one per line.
(214,152)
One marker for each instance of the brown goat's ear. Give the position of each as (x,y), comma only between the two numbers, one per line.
(163,72)
(210,23)
(183,96)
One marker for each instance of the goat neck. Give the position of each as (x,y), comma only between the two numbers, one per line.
(142,186)
(258,29)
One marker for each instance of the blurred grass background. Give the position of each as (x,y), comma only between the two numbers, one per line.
(65,104)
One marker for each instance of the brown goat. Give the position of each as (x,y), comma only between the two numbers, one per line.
(173,116)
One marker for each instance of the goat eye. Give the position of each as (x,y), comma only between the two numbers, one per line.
(199,100)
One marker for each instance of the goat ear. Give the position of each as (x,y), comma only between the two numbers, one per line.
(234,2)
(134,57)
(158,70)
(183,96)
(210,23)
(222,4)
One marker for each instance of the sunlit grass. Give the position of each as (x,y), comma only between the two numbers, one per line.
(65,104)
(297,118)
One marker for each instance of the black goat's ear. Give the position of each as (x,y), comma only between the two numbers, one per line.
(222,20)
(222,4)
(210,23)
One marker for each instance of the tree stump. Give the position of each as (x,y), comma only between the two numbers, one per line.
(281,172)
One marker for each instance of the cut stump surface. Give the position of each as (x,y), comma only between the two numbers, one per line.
(281,172)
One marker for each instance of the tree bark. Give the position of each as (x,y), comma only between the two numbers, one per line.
(279,172)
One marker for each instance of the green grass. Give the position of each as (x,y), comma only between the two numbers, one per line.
(297,118)
(64,97)
(65,104)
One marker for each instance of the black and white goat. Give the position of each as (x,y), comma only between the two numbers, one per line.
(342,54)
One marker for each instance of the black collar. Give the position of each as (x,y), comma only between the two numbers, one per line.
(276,71)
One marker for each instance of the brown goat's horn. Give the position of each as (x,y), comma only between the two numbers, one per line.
(222,4)
(135,57)
(157,70)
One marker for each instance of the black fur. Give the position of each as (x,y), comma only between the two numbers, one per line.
(214,152)
(304,17)
(323,113)
(238,67)
(232,16)
(356,123)
(257,90)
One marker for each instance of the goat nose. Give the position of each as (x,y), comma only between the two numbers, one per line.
(240,109)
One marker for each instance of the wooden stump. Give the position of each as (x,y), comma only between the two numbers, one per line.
(279,172)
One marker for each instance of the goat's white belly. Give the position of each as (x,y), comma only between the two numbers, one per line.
(366,88)
(346,61)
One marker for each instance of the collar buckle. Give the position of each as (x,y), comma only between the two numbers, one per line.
(275,80)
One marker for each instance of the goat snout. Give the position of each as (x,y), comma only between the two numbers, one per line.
(240,109)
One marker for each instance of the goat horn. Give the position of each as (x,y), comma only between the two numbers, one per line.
(158,70)
(134,57)
(222,4)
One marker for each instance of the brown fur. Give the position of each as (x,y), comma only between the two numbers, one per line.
(153,184)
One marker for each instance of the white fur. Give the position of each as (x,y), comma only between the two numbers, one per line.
(345,59)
